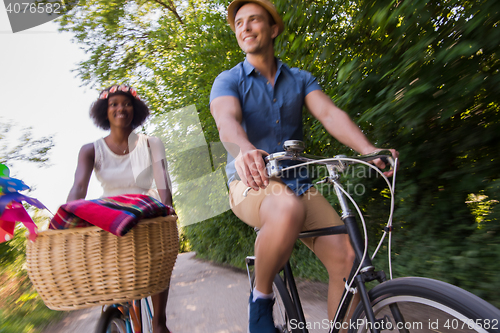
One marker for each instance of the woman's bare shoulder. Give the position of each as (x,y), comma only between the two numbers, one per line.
(88,150)
(154,141)
(87,147)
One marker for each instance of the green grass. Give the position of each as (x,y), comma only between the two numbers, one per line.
(21,309)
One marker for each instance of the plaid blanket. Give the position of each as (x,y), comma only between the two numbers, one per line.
(116,214)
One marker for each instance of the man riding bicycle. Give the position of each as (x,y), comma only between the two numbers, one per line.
(257,106)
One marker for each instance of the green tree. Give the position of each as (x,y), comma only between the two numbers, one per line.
(26,148)
(20,308)
(421,76)
(172,51)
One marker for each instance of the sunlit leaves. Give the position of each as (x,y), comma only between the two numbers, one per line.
(19,144)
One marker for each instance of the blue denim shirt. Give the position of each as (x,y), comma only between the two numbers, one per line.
(271,115)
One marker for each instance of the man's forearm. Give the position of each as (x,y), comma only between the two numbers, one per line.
(234,138)
(340,126)
(337,122)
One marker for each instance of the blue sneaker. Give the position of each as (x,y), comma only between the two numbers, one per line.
(260,315)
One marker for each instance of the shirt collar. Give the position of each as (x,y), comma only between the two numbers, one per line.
(248,67)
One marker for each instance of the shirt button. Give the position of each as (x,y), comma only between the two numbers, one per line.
(279,143)
(274,100)
(277,121)
(267,82)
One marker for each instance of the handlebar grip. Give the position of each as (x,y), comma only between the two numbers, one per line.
(388,160)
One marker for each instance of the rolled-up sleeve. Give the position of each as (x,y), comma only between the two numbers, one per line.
(226,84)
(310,82)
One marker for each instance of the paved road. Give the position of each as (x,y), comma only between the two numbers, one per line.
(205,298)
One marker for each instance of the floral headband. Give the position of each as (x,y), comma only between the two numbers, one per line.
(123,88)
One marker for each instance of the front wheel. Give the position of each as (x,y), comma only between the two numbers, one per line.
(284,313)
(111,321)
(426,305)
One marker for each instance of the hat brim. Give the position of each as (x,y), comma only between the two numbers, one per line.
(268,6)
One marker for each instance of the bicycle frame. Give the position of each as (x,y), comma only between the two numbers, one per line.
(421,299)
(132,312)
(360,274)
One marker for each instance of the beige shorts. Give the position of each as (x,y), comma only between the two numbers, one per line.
(319,212)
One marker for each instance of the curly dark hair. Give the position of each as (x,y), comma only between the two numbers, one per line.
(99,110)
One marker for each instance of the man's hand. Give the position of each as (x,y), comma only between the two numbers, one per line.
(252,169)
(381,165)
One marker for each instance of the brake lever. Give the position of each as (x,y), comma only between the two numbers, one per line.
(324,180)
(388,161)
(245,193)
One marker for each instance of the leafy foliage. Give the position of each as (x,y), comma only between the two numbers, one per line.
(420,76)
(423,77)
(27,148)
(20,308)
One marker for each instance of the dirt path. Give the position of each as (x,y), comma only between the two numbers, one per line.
(204,298)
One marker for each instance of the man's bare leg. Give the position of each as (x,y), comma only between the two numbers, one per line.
(337,254)
(282,216)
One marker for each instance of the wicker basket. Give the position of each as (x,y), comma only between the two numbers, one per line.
(84,267)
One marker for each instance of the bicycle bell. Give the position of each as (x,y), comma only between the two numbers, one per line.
(294,146)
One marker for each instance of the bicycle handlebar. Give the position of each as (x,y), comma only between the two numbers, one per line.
(293,151)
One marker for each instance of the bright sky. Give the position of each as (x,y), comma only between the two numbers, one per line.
(38,89)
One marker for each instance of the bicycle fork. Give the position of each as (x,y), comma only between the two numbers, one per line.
(367,270)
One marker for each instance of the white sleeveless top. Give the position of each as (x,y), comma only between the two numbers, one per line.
(125,174)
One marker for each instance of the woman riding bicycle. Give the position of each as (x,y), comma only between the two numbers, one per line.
(125,162)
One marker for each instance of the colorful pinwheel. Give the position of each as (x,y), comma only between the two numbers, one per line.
(11,207)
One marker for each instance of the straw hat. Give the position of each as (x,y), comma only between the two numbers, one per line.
(266,4)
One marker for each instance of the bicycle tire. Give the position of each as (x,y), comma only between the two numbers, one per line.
(111,321)
(427,305)
(284,312)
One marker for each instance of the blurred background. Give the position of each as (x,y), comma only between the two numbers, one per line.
(418,76)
